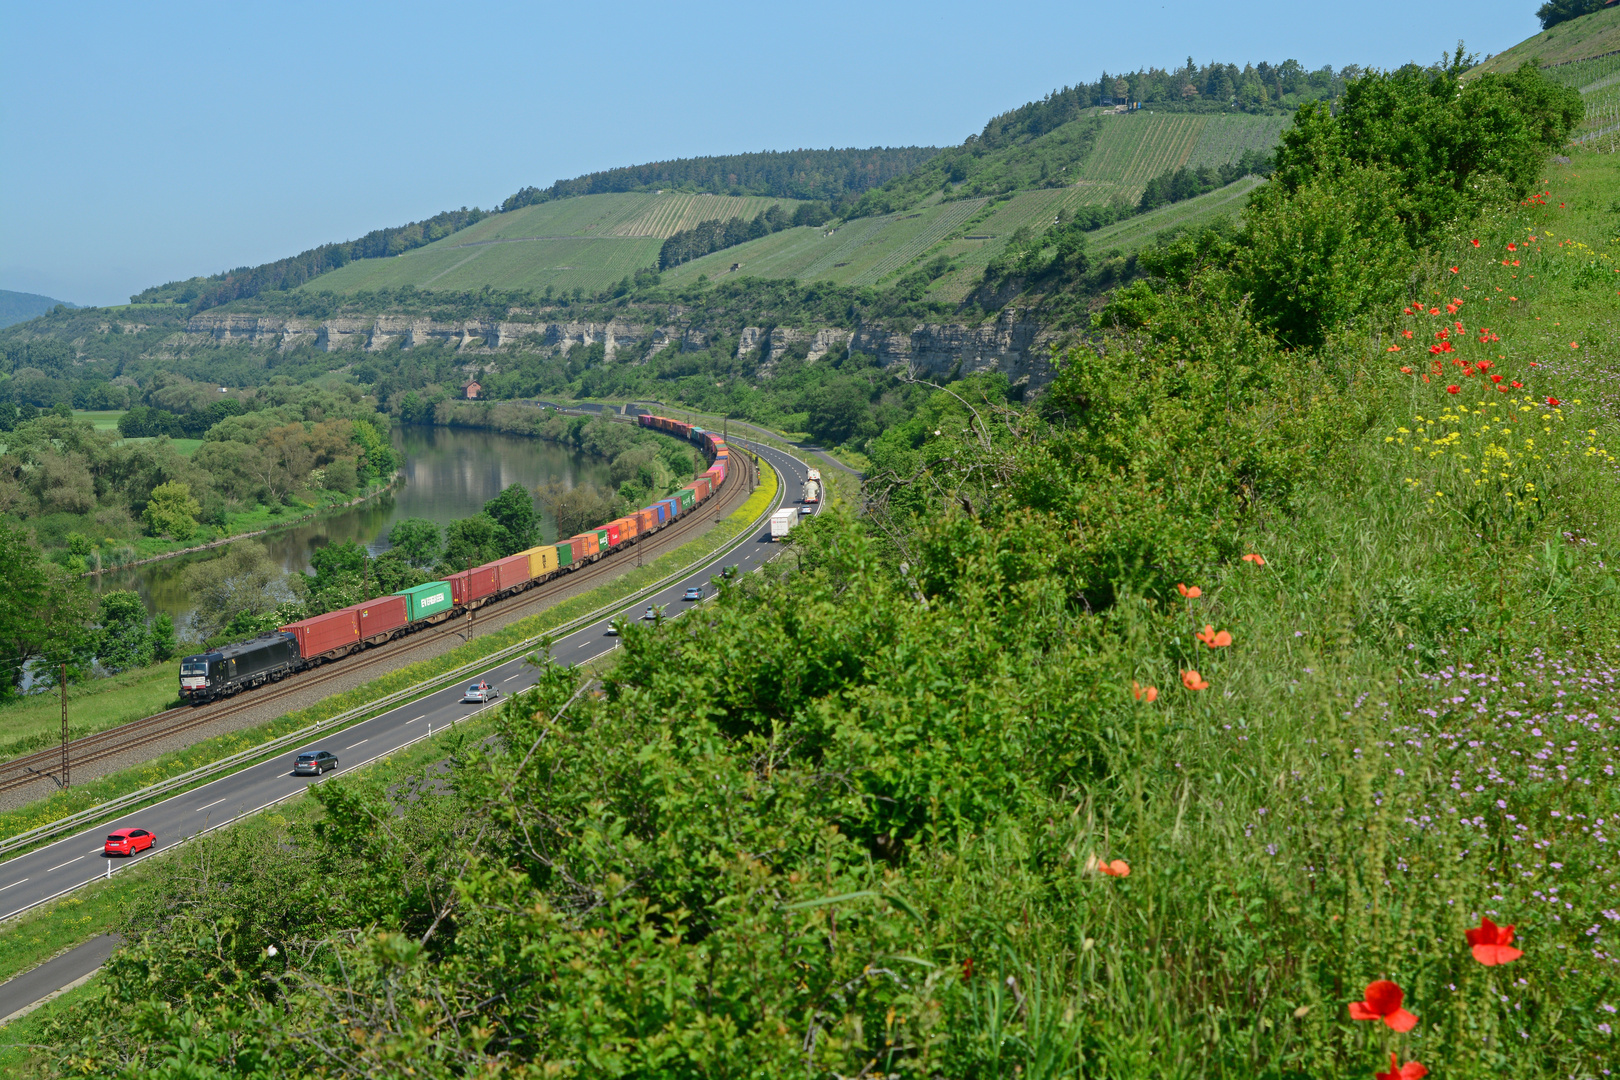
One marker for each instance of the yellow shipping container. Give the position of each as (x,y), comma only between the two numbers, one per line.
(542,560)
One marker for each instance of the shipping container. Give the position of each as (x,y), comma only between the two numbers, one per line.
(332,634)
(430,602)
(542,560)
(511,573)
(564,553)
(590,545)
(687,498)
(381,619)
(646,520)
(613,535)
(783,520)
(703,486)
(627,528)
(604,539)
(473,587)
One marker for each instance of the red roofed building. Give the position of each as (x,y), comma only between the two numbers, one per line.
(471,390)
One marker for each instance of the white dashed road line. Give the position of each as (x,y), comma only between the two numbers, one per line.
(362,742)
(70,862)
(13,885)
(216,802)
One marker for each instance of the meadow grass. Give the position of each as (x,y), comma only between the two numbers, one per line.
(35,721)
(1565,43)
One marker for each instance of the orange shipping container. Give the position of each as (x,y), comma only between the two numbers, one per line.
(646,520)
(589,545)
(627,528)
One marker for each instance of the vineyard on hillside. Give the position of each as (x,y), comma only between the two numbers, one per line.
(671,213)
(1135,148)
(1224,138)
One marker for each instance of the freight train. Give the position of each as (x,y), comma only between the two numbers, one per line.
(321,639)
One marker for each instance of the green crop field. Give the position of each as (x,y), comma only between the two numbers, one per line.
(1578,39)
(588,242)
(1134,233)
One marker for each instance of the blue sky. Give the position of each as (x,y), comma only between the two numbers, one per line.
(145,143)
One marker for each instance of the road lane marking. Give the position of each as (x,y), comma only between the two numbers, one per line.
(216,802)
(3,888)
(362,742)
(70,862)
(509,678)
(422,717)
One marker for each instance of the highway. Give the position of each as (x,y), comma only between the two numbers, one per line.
(34,877)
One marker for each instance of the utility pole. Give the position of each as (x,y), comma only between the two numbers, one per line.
(64,729)
(467,587)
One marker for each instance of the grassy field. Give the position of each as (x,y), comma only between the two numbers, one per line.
(588,242)
(1577,39)
(101,420)
(1133,233)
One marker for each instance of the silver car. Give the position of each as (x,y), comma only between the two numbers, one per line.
(314,762)
(481,691)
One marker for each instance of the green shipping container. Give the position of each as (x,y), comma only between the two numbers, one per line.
(565,554)
(602,534)
(688,499)
(426,601)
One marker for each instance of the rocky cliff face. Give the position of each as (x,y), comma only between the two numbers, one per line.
(1015,346)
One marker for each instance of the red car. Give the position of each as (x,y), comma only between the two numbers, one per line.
(128,841)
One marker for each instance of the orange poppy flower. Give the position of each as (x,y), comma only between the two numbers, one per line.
(1149,694)
(1406,371)
(1117,868)
(1192,680)
(1256,559)
(1214,640)
(1191,592)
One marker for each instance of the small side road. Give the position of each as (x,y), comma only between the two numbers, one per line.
(28,991)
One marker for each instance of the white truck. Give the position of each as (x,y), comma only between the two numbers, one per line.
(782,521)
(812,492)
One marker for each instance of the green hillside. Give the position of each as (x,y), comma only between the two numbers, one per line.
(588,242)
(1578,39)
(1127,151)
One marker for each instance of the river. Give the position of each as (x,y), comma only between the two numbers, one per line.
(448,473)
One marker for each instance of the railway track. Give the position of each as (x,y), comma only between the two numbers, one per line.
(101,745)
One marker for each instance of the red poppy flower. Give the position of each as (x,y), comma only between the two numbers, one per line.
(1493,944)
(1193,681)
(1453,269)
(1434,311)
(1553,402)
(1496,378)
(1406,333)
(1474,242)
(1411,1070)
(1484,365)
(1453,389)
(1393,348)
(1117,868)
(1191,592)
(1382,1001)
(1256,559)
(1573,345)
(1517,385)
(1149,694)
(1513,247)
(1214,640)
(1406,371)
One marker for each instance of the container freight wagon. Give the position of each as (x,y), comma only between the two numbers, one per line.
(512,574)
(782,521)
(543,561)
(429,603)
(590,545)
(326,637)
(382,618)
(646,520)
(627,529)
(472,588)
(233,668)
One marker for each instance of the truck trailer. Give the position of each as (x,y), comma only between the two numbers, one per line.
(782,521)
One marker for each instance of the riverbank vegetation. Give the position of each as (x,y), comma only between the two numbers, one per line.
(1215,715)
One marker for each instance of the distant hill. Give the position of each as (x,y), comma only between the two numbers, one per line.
(16,307)
(824,175)
(1577,39)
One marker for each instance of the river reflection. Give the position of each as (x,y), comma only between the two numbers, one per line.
(448,473)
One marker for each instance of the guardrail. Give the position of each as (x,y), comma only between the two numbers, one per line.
(85,817)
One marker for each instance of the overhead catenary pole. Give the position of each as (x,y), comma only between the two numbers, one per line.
(64,729)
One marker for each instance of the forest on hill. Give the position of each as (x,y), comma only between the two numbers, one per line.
(1242,707)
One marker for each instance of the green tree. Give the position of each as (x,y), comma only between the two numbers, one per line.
(244,578)
(46,618)
(171,512)
(123,641)
(1556,11)
(417,540)
(471,542)
(513,510)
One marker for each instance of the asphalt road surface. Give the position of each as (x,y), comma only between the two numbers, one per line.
(30,879)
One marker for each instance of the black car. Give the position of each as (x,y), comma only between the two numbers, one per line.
(314,762)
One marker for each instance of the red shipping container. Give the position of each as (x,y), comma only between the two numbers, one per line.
(473,585)
(323,633)
(646,520)
(380,617)
(704,485)
(510,572)
(614,538)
